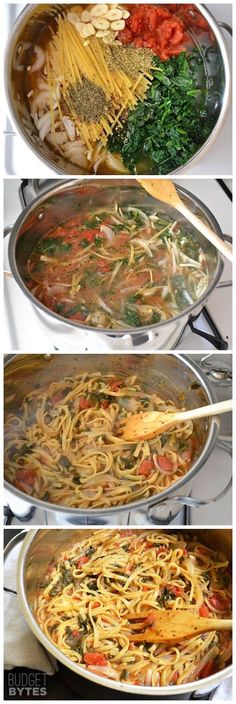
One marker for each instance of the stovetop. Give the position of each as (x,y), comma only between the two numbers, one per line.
(208,482)
(24,328)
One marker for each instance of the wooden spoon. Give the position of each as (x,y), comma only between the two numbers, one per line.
(146,425)
(173,626)
(165,191)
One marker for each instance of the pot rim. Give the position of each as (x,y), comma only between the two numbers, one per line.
(110,332)
(207,682)
(156,498)
(182,169)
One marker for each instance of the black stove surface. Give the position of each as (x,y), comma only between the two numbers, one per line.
(66,685)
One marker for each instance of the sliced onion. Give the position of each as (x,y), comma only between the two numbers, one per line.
(148,678)
(130,404)
(17,56)
(40,60)
(70,128)
(142,215)
(75,152)
(104,671)
(57,138)
(108,232)
(142,244)
(104,305)
(44,124)
(211,655)
(189,565)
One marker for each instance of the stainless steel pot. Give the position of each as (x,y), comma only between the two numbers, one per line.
(40,547)
(64,200)
(169,375)
(27,29)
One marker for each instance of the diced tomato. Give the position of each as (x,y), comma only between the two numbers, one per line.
(151,618)
(104,265)
(96,604)
(84,403)
(76,633)
(204,611)
(82,561)
(57,397)
(95,659)
(174,677)
(105,403)
(208,670)
(146,467)
(26,475)
(77,316)
(125,36)
(90,234)
(177,591)
(145,589)
(219,602)
(165,463)
(115,384)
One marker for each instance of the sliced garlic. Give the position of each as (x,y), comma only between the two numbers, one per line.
(117,26)
(86,30)
(85,17)
(125,14)
(73,17)
(114,15)
(99,10)
(109,38)
(101,23)
(103,32)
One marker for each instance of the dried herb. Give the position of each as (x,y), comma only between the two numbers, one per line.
(130,59)
(87,100)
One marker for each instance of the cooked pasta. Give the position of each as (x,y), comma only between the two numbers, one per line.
(88,591)
(64,444)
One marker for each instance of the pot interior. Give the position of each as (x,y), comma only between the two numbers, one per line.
(33,27)
(63,202)
(167,374)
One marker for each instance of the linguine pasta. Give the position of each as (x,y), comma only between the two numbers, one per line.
(64,444)
(88,591)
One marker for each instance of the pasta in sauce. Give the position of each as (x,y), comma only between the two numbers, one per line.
(64,444)
(118,268)
(88,591)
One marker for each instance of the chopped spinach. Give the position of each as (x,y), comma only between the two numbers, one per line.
(76,480)
(53,245)
(167,128)
(90,551)
(84,243)
(164,439)
(131,317)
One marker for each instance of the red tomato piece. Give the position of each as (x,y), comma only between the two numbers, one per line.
(84,403)
(204,611)
(82,561)
(174,677)
(76,633)
(146,467)
(95,659)
(125,36)
(165,463)
(208,670)
(115,384)
(177,591)
(105,403)
(57,397)
(26,475)
(219,602)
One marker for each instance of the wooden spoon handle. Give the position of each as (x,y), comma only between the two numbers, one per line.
(205,230)
(212,410)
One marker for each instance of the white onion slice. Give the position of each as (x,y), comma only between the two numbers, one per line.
(142,244)
(70,128)
(103,305)
(108,232)
(39,61)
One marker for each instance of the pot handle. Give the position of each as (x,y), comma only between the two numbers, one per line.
(190,501)
(224,25)
(217,342)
